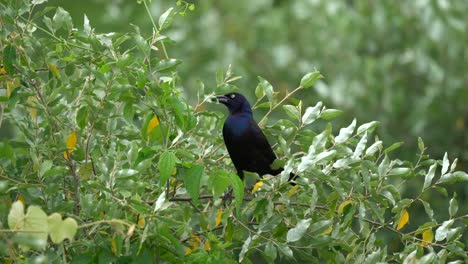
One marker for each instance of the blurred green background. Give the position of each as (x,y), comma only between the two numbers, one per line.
(403,63)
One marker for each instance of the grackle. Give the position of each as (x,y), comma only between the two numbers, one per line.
(247,145)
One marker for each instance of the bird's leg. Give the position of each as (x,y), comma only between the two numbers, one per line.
(227,195)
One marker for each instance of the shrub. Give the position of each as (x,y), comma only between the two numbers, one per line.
(111,162)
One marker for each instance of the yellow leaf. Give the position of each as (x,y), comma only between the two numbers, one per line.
(343,205)
(2,70)
(54,70)
(11,85)
(71,141)
(207,246)
(292,191)
(130,231)
(33,109)
(188,251)
(327,231)
(8,261)
(219,215)
(404,219)
(71,144)
(141,221)
(113,247)
(427,237)
(154,122)
(257,186)
(21,199)
(196,238)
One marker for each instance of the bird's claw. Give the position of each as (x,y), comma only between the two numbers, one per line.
(227,196)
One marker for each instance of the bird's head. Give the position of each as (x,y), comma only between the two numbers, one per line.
(235,102)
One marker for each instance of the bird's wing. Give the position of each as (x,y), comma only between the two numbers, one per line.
(260,142)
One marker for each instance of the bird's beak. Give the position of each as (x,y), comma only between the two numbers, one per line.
(222,99)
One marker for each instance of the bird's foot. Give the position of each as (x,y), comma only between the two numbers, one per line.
(227,196)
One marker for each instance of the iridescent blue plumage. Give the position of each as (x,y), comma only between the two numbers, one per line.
(247,145)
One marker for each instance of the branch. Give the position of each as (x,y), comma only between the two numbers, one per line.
(76,183)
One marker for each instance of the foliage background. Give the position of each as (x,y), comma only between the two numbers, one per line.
(402,64)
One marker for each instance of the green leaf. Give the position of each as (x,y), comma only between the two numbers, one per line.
(429,176)
(367,127)
(245,248)
(220,183)
(311,114)
(219,77)
(292,111)
(32,226)
(400,172)
(129,112)
(44,167)
(428,209)
(345,133)
(360,146)
(454,165)
(324,156)
(165,19)
(267,87)
(167,65)
(238,189)
(328,114)
(296,233)
(428,258)
(259,91)
(144,164)
(161,202)
(310,78)
(81,117)
(60,230)
(445,164)
(166,166)
(393,147)
(373,148)
(320,226)
(453,205)
(421,144)
(192,181)
(441,231)
(125,173)
(384,166)
(132,153)
(62,19)
(454,177)
(86,26)
(9,58)
(285,250)
(270,251)
(16,216)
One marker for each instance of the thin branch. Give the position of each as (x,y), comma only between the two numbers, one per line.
(76,182)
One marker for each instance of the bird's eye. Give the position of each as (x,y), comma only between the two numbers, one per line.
(232,96)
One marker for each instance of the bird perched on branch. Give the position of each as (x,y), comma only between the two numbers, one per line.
(247,145)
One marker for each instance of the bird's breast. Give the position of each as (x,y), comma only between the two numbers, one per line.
(236,126)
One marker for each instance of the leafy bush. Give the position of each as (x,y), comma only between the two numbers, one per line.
(112,163)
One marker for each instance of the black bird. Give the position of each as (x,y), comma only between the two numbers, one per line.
(247,145)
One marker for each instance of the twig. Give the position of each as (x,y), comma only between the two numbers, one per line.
(76,182)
